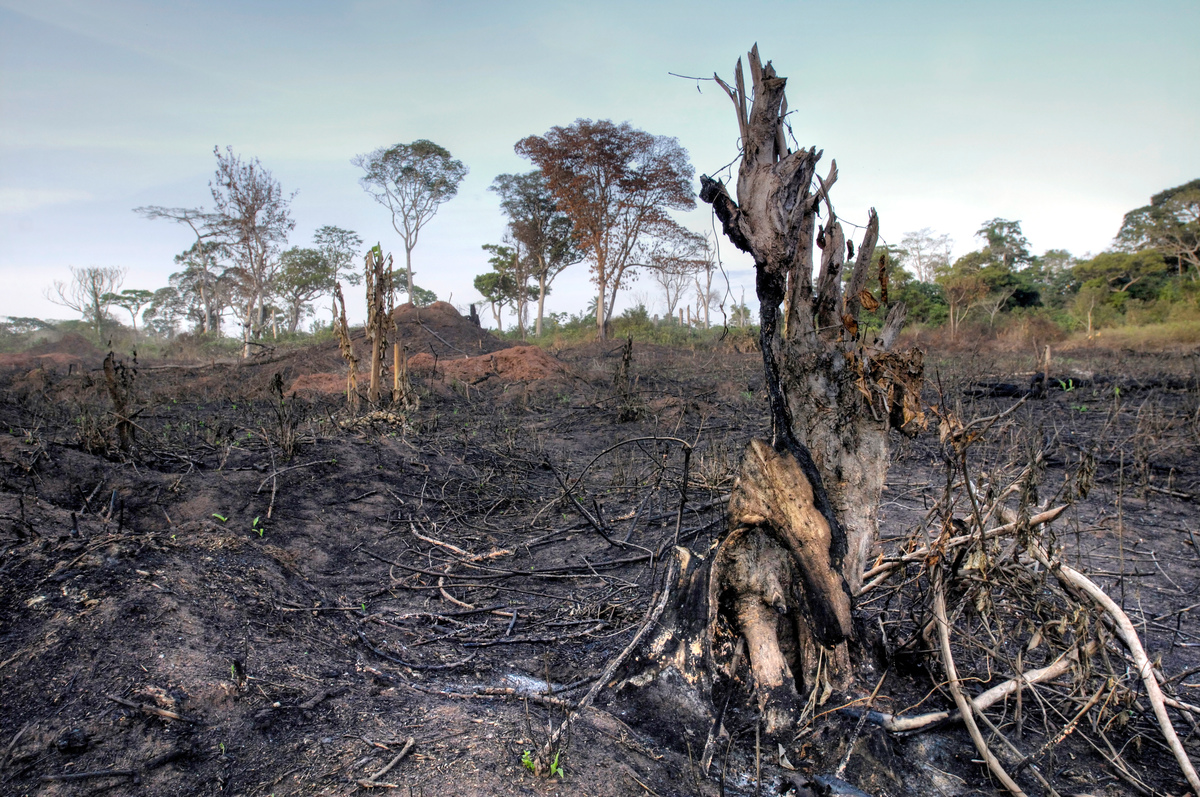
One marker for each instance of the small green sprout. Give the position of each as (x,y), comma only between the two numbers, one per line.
(556,769)
(527,760)
(221,518)
(255,526)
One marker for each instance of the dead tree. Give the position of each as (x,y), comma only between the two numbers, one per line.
(802,518)
(379,316)
(342,329)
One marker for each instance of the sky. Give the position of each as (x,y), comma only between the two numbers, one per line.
(1062,115)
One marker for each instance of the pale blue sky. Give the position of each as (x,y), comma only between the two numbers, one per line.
(940,114)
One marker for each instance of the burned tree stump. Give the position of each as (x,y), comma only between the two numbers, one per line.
(803,515)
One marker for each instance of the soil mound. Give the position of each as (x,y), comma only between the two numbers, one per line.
(515,364)
(70,349)
(440,329)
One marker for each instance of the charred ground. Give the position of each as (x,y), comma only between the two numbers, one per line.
(305,591)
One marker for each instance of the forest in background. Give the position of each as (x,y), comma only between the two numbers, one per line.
(600,198)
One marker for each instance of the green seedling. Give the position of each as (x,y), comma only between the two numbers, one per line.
(1067,386)
(527,760)
(556,769)
(221,518)
(255,526)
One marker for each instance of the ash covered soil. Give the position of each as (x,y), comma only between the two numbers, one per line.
(269,595)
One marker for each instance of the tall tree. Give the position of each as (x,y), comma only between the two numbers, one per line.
(1170,223)
(1006,243)
(166,310)
(543,231)
(340,249)
(963,288)
(203,285)
(506,284)
(131,300)
(615,183)
(89,293)
(203,276)
(926,252)
(304,275)
(412,181)
(251,221)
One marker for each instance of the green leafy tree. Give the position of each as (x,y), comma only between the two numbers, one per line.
(1054,277)
(167,308)
(421,297)
(502,286)
(204,284)
(1006,243)
(304,275)
(1124,275)
(963,288)
(412,181)
(340,249)
(131,300)
(544,233)
(1170,224)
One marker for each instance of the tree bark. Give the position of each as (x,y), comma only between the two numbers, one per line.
(803,515)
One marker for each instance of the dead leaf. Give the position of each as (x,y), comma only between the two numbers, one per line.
(850,324)
(869,303)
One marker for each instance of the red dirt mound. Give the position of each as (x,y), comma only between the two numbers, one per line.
(324,384)
(516,364)
(442,329)
(70,349)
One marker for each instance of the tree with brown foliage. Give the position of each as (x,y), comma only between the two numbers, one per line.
(615,183)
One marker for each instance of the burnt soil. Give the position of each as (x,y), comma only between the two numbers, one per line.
(302,591)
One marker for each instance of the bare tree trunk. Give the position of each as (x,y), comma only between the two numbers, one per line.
(379,320)
(541,304)
(802,518)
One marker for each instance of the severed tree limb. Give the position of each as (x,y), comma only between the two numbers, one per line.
(883,571)
(657,604)
(1077,582)
(985,700)
(964,706)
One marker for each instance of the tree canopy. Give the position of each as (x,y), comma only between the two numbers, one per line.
(615,183)
(1170,224)
(412,181)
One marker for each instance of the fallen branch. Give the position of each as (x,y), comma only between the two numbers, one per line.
(657,604)
(372,781)
(881,572)
(1076,582)
(964,706)
(155,710)
(908,725)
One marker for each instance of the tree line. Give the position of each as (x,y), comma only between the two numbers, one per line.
(602,194)
(1151,273)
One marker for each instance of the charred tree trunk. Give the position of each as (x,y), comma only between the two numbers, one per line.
(802,519)
(379,316)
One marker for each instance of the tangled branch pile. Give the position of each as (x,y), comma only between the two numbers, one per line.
(981,589)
